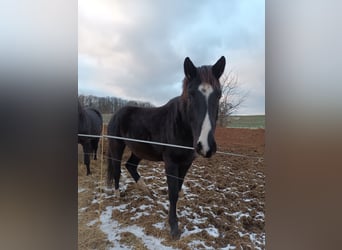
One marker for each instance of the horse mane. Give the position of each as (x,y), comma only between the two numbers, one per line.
(206,75)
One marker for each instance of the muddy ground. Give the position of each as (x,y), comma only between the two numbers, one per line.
(223,206)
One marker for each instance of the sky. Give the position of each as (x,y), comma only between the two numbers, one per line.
(135,49)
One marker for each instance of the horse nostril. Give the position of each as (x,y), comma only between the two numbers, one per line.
(208,154)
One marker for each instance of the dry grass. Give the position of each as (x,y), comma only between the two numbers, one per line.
(89,237)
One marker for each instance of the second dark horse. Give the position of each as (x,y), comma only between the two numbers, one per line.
(89,123)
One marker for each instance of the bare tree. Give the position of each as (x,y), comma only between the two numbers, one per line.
(232,97)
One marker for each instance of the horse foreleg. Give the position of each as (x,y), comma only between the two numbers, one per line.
(181,173)
(173,188)
(132,165)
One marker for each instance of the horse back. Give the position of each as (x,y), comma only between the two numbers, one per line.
(95,120)
(136,122)
(150,124)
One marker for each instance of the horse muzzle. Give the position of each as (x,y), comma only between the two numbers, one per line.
(206,149)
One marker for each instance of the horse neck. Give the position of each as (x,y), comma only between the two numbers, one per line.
(182,110)
(182,114)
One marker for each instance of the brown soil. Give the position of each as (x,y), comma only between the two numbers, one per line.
(224,195)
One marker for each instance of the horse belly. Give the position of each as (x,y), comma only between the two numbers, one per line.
(145,151)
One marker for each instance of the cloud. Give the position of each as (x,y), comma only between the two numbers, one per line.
(136,49)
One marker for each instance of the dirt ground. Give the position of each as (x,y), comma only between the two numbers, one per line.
(223,205)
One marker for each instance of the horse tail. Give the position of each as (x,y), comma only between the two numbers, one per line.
(116,148)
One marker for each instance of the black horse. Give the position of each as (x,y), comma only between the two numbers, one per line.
(90,123)
(189,120)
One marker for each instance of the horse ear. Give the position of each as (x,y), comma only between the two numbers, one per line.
(218,67)
(190,70)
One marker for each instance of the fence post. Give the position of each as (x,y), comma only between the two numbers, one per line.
(102,146)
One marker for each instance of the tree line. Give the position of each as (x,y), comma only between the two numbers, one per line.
(109,105)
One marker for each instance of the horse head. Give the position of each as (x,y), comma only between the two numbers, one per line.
(202,93)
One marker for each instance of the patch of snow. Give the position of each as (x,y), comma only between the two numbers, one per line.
(139,214)
(80,190)
(241,234)
(162,214)
(228,247)
(149,199)
(260,216)
(196,243)
(121,208)
(159,225)
(198,219)
(185,213)
(92,223)
(187,232)
(247,200)
(212,232)
(164,204)
(191,196)
(253,238)
(185,188)
(143,207)
(83,209)
(113,230)
(239,215)
(108,189)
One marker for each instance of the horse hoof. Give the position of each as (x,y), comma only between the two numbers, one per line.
(117,193)
(175,235)
(142,186)
(107,190)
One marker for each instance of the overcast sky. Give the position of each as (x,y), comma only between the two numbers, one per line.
(136,49)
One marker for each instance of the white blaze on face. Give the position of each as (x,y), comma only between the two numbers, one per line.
(206,89)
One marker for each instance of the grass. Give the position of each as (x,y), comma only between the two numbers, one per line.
(235,121)
(247,121)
